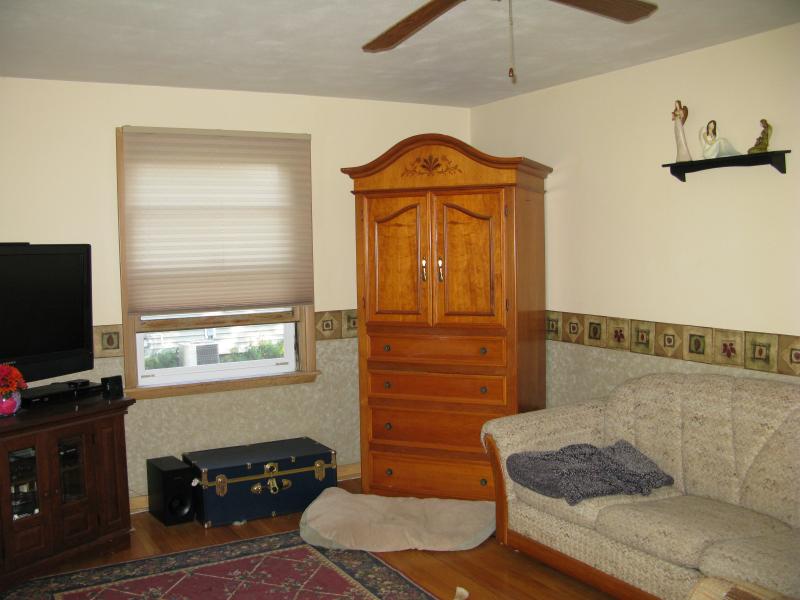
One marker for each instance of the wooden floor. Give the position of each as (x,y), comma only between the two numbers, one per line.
(489,571)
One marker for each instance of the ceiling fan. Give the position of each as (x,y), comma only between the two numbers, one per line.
(626,11)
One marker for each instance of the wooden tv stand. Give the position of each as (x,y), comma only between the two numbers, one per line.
(63,484)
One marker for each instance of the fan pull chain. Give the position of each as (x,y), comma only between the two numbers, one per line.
(511,74)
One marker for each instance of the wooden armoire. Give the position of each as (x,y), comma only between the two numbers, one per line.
(450,271)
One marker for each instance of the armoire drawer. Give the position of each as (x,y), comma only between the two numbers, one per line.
(422,476)
(438,349)
(430,429)
(441,387)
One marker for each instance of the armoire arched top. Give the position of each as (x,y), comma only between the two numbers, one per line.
(437,160)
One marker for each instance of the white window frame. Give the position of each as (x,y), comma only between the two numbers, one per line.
(305,343)
(219,371)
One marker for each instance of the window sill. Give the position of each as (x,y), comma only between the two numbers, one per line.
(210,387)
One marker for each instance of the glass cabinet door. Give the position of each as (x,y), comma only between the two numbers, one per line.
(73,485)
(25,506)
(24,482)
(71,468)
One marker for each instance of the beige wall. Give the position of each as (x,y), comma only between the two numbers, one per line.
(58,172)
(624,238)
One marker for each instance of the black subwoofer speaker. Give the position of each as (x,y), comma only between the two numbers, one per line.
(169,490)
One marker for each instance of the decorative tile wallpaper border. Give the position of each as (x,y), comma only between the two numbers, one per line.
(107,340)
(328,325)
(769,352)
(336,324)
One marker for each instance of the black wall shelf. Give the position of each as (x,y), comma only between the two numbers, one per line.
(776,158)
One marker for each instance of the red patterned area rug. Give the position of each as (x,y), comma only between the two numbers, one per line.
(275,567)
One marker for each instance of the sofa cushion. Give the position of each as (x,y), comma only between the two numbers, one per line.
(766,418)
(585,512)
(683,423)
(771,561)
(734,440)
(679,529)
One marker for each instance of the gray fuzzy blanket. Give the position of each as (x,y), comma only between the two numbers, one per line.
(582,471)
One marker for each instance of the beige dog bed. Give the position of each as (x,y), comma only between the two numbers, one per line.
(339,519)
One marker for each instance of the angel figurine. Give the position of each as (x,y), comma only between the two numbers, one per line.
(713,146)
(678,119)
(762,143)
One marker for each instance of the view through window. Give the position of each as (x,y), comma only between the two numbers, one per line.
(215,353)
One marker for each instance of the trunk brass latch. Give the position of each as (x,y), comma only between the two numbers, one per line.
(221,486)
(274,488)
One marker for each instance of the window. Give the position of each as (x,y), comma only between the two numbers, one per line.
(214,353)
(216,262)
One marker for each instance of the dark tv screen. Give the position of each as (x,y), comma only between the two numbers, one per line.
(46,309)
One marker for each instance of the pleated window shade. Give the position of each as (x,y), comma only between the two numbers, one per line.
(215,220)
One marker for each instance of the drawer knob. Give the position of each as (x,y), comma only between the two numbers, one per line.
(387,426)
(484,483)
(389,472)
(483,350)
(484,389)
(387,348)
(387,385)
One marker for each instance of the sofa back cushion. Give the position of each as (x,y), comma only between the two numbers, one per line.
(720,437)
(766,419)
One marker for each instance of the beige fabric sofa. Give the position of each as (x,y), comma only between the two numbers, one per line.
(731,444)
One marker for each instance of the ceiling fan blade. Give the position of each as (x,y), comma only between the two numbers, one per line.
(626,11)
(405,28)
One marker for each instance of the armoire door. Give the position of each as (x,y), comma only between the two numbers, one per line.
(468,262)
(398,258)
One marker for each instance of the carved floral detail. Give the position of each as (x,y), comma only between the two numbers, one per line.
(431,165)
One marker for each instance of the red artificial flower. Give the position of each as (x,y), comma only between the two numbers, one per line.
(11,380)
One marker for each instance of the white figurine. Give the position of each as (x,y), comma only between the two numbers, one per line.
(678,119)
(713,146)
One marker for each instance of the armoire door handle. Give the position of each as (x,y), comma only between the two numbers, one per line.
(424,270)
(440,262)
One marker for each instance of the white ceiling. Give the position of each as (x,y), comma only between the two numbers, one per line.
(314,46)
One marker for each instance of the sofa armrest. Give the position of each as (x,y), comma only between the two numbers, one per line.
(548,429)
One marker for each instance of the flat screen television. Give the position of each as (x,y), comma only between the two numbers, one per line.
(46,309)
